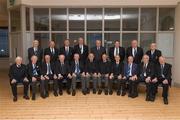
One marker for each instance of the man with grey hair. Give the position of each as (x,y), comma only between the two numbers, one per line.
(18,75)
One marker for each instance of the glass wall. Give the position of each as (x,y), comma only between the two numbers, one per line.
(106,24)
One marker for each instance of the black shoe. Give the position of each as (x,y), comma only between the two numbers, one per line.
(55,94)
(165,101)
(110,92)
(147,98)
(60,92)
(47,94)
(84,92)
(73,93)
(134,96)
(106,92)
(14,99)
(118,92)
(43,96)
(129,95)
(68,92)
(123,93)
(94,91)
(33,97)
(88,91)
(26,97)
(152,99)
(99,92)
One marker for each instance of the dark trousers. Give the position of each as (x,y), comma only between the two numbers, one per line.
(58,83)
(34,85)
(101,80)
(117,81)
(133,87)
(44,88)
(14,88)
(165,88)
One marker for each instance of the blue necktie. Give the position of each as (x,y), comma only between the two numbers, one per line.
(129,69)
(77,68)
(34,70)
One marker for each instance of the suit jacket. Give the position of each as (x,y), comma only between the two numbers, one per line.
(138,56)
(134,69)
(166,72)
(30,70)
(17,73)
(84,55)
(155,56)
(54,56)
(69,57)
(121,53)
(81,66)
(44,68)
(117,69)
(104,67)
(62,69)
(150,71)
(98,53)
(91,67)
(39,54)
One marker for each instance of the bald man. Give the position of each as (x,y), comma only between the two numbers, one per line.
(164,77)
(154,53)
(35,50)
(18,74)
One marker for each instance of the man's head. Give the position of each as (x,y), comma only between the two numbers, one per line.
(117,44)
(35,43)
(117,58)
(51,44)
(61,58)
(162,60)
(98,43)
(104,57)
(80,41)
(18,60)
(66,42)
(91,56)
(153,46)
(76,57)
(34,59)
(130,59)
(134,43)
(47,58)
(145,58)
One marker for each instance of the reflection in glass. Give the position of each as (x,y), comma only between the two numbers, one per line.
(92,37)
(110,38)
(58,19)
(74,37)
(43,39)
(94,19)
(41,19)
(166,19)
(146,40)
(15,20)
(130,19)
(112,19)
(127,38)
(148,19)
(59,39)
(76,19)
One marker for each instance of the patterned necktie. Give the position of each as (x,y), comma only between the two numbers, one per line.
(77,68)
(34,70)
(135,51)
(129,69)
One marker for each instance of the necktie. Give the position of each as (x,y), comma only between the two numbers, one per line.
(129,69)
(135,51)
(67,50)
(77,68)
(144,69)
(48,69)
(152,54)
(35,51)
(162,68)
(52,51)
(81,48)
(34,70)
(117,51)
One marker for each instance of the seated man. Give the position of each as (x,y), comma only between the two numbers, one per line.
(18,74)
(47,73)
(164,77)
(103,74)
(116,75)
(33,74)
(91,72)
(77,71)
(62,72)
(131,75)
(147,75)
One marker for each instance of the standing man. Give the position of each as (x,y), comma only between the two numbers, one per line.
(62,71)
(131,75)
(35,50)
(147,75)
(67,51)
(34,74)
(98,50)
(47,73)
(18,74)
(52,51)
(77,70)
(164,77)
(153,53)
(135,51)
(82,50)
(116,50)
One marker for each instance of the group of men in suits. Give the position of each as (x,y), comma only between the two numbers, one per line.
(124,69)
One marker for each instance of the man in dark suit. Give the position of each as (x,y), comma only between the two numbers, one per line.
(18,74)
(52,51)
(116,75)
(116,50)
(34,74)
(35,50)
(77,71)
(154,54)
(67,51)
(164,77)
(62,71)
(131,75)
(135,51)
(47,73)
(98,50)
(147,75)
(103,74)
(91,72)
(82,50)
